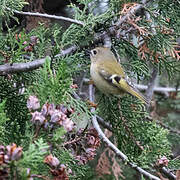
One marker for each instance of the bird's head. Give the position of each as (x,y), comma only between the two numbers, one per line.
(101,54)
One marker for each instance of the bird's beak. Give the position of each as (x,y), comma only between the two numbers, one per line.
(87,52)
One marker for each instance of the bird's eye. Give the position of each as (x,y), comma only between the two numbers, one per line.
(94,52)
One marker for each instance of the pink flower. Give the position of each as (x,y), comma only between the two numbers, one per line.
(33,103)
(37,118)
(48,109)
(163,161)
(57,117)
(68,124)
(13,152)
(51,160)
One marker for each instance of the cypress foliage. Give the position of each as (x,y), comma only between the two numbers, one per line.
(55,138)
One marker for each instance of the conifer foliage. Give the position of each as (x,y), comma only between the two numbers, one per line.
(48,127)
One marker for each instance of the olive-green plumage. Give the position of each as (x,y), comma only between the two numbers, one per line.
(109,76)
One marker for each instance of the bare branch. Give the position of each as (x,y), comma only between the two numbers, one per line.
(107,41)
(104,123)
(157,89)
(43,15)
(130,13)
(21,67)
(101,134)
(29,66)
(111,145)
(152,81)
(170,175)
(151,84)
(113,30)
(67,51)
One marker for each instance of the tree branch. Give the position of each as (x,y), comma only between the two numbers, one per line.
(29,66)
(157,89)
(43,15)
(111,145)
(104,123)
(167,173)
(130,13)
(113,30)
(99,119)
(151,84)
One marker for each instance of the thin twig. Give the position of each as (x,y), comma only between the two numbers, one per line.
(117,55)
(131,135)
(111,145)
(38,176)
(43,15)
(107,41)
(99,119)
(151,84)
(72,141)
(21,67)
(76,96)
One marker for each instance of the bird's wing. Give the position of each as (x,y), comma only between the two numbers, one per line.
(123,83)
(105,74)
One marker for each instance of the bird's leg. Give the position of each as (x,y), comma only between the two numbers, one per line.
(92,104)
(90,82)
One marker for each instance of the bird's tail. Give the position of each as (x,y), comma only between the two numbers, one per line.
(123,84)
(136,93)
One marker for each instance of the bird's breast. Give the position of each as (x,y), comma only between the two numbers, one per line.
(102,84)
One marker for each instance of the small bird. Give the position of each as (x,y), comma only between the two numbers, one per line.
(108,75)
